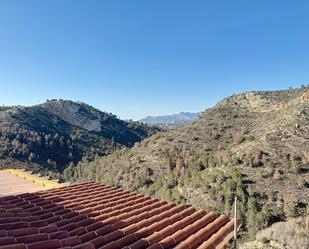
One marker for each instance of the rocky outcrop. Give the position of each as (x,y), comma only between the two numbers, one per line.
(290,234)
(261,102)
(73,113)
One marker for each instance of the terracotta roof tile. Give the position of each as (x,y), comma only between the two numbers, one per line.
(99,241)
(59,235)
(15,246)
(90,216)
(32,238)
(49,244)
(22,231)
(88,236)
(48,229)
(78,231)
(70,241)
(7,241)
(87,245)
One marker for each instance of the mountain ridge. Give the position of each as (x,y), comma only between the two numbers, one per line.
(171,120)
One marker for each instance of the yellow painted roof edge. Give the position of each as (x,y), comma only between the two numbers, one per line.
(33,178)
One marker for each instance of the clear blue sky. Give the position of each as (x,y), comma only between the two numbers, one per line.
(136,58)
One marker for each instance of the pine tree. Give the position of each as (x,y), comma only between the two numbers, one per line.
(251,216)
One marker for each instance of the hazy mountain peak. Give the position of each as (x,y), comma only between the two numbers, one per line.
(172,120)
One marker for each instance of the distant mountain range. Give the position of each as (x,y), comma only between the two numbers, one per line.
(58,132)
(171,121)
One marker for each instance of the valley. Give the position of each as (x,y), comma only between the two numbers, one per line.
(254,145)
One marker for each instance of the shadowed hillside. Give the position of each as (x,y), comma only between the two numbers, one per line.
(59,132)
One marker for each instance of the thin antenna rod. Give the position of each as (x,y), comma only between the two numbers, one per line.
(235,224)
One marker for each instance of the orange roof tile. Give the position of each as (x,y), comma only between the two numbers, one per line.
(90,215)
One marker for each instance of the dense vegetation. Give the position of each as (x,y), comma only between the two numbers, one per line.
(52,135)
(253,145)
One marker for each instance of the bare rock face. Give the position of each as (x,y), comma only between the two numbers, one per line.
(265,102)
(260,245)
(74,114)
(249,100)
(293,233)
(305,97)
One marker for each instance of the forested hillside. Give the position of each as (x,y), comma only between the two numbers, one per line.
(50,136)
(254,145)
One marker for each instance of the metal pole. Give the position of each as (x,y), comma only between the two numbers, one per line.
(235,224)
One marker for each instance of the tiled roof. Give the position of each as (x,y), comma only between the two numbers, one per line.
(91,215)
(14,181)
